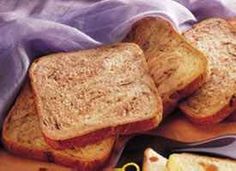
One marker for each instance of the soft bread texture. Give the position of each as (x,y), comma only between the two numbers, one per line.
(216,99)
(153,161)
(85,96)
(177,68)
(21,135)
(187,162)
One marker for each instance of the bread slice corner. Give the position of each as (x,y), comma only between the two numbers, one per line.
(21,135)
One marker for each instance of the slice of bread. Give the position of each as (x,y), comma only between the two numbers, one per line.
(22,135)
(88,95)
(153,161)
(216,99)
(177,68)
(187,162)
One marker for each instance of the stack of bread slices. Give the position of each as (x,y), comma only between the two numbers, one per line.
(74,105)
(203,88)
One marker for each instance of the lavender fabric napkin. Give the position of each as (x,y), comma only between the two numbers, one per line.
(30,29)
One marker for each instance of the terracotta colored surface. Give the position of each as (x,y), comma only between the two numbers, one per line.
(180,128)
(175,127)
(10,162)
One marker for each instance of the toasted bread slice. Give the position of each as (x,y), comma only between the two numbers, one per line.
(216,99)
(88,95)
(153,161)
(177,68)
(21,135)
(187,162)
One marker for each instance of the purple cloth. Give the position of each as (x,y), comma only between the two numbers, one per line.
(30,29)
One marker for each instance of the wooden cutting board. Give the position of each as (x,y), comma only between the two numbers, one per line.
(175,127)
(9,162)
(178,127)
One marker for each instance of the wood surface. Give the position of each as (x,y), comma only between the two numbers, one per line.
(175,127)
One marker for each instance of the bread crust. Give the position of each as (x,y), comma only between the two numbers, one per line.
(126,129)
(186,91)
(211,119)
(48,156)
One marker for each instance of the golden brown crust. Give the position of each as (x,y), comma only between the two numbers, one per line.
(193,86)
(210,119)
(187,91)
(49,156)
(135,127)
(23,151)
